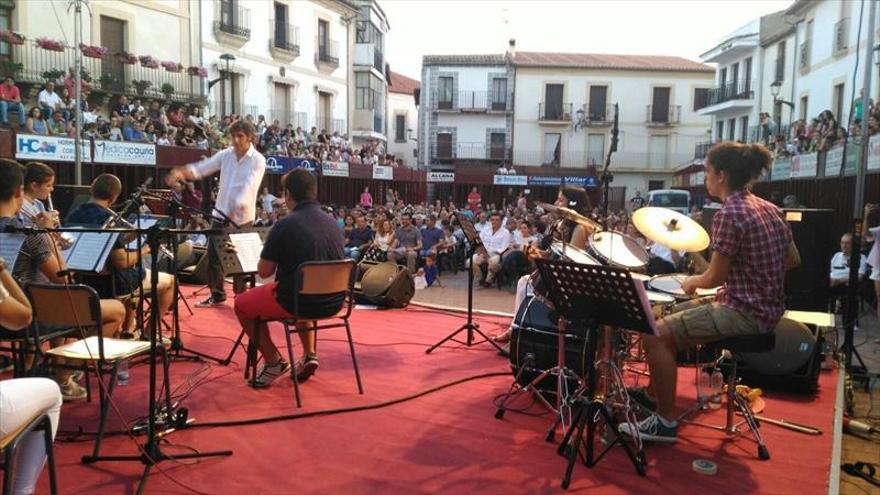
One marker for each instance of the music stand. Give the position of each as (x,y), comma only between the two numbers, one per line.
(600,296)
(475,243)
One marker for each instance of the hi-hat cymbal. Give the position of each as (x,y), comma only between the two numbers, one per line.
(571,215)
(671,229)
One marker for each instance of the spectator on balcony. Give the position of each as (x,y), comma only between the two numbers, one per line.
(196,117)
(10,99)
(57,125)
(502,170)
(154,111)
(176,116)
(150,133)
(164,139)
(36,124)
(70,82)
(122,109)
(187,138)
(115,133)
(135,133)
(136,107)
(49,100)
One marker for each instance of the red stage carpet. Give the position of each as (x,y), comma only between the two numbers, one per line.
(445,442)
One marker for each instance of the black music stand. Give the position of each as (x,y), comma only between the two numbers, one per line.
(474,241)
(599,296)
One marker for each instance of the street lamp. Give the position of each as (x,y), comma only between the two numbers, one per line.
(229,59)
(774,90)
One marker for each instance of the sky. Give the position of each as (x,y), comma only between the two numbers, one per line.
(630,27)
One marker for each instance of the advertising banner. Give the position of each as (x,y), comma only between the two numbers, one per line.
(125,152)
(49,148)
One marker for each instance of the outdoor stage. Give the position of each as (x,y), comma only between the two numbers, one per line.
(443,442)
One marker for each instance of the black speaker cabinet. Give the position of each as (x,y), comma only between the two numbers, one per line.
(384,284)
(806,287)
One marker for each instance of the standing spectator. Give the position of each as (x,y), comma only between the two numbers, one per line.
(36,124)
(49,100)
(366,201)
(122,109)
(873,235)
(474,200)
(390,196)
(267,199)
(70,82)
(407,244)
(637,202)
(10,99)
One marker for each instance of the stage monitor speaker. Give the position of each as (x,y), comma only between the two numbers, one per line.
(384,284)
(66,197)
(806,287)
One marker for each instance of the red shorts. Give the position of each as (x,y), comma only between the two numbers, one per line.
(260,303)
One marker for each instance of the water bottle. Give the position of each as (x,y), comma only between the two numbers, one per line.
(717,383)
(122,373)
(703,386)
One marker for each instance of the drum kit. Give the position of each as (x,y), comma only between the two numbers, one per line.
(534,326)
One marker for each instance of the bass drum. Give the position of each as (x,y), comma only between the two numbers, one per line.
(534,341)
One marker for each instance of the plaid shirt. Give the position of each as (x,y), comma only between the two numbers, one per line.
(754,235)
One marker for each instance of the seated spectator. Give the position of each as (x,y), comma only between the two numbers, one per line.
(10,99)
(58,126)
(122,108)
(515,261)
(187,137)
(432,238)
(358,239)
(49,101)
(36,124)
(496,240)
(150,133)
(408,242)
(135,132)
(115,133)
(839,276)
(136,107)
(430,271)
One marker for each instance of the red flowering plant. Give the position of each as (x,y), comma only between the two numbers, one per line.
(172,66)
(148,62)
(197,71)
(50,44)
(93,51)
(11,37)
(126,58)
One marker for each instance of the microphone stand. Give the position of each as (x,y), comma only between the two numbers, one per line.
(607,178)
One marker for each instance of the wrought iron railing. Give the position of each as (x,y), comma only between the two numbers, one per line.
(328,51)
(597,113)
(554,112)
(232,18)
(284,36)
(664,115)
(735,90)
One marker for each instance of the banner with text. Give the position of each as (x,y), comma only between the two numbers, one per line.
(781,169)
(49,148)
(334,169)
(441,177)
(874,152)
(125,152)
(804,165)
(833,161)
(284,164)
(383,172)
(511,180)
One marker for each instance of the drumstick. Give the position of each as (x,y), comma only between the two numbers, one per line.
(806,429)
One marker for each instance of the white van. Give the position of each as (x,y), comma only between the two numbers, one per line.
(674,199)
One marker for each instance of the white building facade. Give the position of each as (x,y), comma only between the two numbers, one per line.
(403,119)
(465,110)
(563,114)
(368,90)
(291,60)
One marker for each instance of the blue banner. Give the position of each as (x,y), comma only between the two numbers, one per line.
(284,164)
(544,180)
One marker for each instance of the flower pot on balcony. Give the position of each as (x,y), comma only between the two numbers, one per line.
(11,37)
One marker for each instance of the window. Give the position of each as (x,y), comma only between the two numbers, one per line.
(281,40)
(701,98)
(731,129)
(595,149)
(598,108)
(323,37)
(655,185)
(444,96)
(803,109)
(552,149)
(5,23)
(400,128)
(660,105)
(499,93)
(367,92)
(719,130)
(553,102)
(838,102)
(497,146)
(444,145)
(780,61)
(744,128)
(658,147)
(747,77)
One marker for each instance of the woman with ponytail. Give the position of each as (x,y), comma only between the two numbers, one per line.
(752,248)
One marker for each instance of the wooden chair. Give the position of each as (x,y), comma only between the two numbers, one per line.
(79,306)
(319,278)
(10,443)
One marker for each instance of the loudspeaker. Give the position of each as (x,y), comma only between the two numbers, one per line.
(795,344)
(383,284)
(66,197)
(806,287)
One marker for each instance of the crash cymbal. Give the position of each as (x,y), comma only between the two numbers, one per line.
(671,229)
(573,216)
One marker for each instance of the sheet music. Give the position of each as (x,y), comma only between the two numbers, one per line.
(248,247)
(646,304)
(113,348)
(10,246)
(145,223)
(72,237)
(90,251)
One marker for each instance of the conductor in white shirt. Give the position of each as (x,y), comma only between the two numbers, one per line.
(241,169)
(496,239)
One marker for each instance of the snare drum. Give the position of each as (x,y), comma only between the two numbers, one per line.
(619,250)
(671,284)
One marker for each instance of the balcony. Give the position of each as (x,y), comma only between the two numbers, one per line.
(327,55)
(468,152)
(329,124)
(368,55)
(554,113)
(666,115)
(222,108)
(232,25)
(840,34)
(285,117)
(283,40)
(597,115)
(105,76)
(737,94)
(804,56)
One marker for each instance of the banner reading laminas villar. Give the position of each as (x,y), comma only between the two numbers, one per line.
(49,148)
(125,152)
